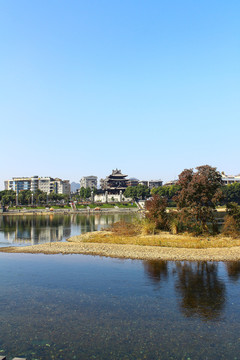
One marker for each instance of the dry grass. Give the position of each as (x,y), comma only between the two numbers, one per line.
(163,239)
(124,228)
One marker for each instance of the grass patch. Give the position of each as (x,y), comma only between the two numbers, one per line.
(163,239)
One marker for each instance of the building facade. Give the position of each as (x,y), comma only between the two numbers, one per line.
(45,184)
(154,183)
(171,182)
(132,182)
(230,179)
(151,183)
(115,182)
(18,184)
(89,182)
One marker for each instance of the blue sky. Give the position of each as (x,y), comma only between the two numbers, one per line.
(150,87)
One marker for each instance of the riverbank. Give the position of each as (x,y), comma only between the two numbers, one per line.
(79,245)
(70,211)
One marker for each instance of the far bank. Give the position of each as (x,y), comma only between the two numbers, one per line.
(71,211)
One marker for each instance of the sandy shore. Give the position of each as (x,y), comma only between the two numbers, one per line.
(130,251)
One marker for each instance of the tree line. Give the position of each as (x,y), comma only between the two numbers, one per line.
(230,193)
(26,197)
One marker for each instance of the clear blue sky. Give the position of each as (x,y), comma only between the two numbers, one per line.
(150,87)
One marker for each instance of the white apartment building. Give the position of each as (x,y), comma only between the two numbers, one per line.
(45,184)
(89,181)
(171,182)
(62,186)
(151,183)
(154,183)
(230,179)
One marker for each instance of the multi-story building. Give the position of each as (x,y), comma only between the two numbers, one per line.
(132,182)
(45,184)
(66,187)
(143,182)
(89,182)
(154,183)
(230,179)
(171,182)
(151,183)
(115,182)
(18,183)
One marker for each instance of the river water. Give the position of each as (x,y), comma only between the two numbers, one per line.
(23,230)
(91,307)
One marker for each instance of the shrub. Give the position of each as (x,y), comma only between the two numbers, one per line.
(234,210)
(148,227)
(175,226)
(124,228)
(157,212)
(230,227)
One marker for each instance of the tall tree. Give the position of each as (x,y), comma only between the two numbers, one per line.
(168,191)
(137,192)
(157,211)
(199,194)
(231,193)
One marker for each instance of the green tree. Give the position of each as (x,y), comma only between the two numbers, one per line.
(167,191)
(137,192)
(85,193)
(234,210)
(7,197)
(24,197)
(231,193)
(88,193)
(131,192)
(82,193)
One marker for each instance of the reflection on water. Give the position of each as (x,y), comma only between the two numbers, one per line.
(233,269)
(30,230)
(156,270)
(84,307)
(202,292)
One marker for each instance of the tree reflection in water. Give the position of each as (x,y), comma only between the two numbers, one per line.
(202,292)
(233,269)
(156,270)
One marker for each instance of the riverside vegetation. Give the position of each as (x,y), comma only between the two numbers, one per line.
(193,224)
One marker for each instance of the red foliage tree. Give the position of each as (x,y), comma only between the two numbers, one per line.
(200,192)
(156,211)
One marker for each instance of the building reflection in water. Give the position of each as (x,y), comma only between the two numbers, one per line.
(33,230)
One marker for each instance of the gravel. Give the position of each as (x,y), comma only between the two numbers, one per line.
(130,251)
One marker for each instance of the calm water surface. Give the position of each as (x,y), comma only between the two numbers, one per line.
(29,230)
(85,307)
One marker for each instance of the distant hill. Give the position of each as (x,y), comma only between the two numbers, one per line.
(74,187)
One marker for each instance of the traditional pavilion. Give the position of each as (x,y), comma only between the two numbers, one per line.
(114,183)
